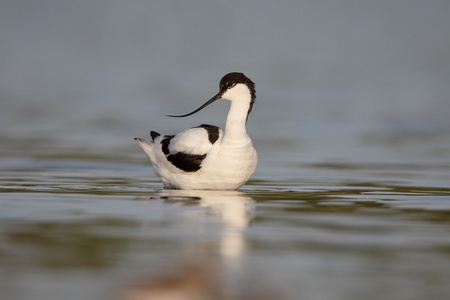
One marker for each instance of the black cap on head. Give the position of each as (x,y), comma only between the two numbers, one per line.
(228,81)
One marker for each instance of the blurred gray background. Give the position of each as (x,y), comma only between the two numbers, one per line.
(95,74)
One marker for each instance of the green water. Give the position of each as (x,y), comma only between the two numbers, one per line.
(351,197)
(73,228)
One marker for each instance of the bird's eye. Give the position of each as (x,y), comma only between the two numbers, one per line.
(229,84)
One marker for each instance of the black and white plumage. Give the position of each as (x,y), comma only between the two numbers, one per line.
(206,157)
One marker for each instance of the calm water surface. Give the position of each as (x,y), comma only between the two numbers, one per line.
(80,229)
(351,197)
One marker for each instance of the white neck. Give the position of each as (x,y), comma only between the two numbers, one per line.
(235,129)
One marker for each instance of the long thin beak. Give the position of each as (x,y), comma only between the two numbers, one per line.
(216,97)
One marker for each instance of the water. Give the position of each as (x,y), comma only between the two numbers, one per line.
(351,198)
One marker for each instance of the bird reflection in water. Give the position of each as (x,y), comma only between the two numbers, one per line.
(212,277)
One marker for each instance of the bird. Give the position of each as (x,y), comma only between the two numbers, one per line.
(206,157)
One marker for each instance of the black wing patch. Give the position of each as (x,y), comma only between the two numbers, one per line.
(165,144)
(183,161)
(154,135)
(186,162)
(213,132)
